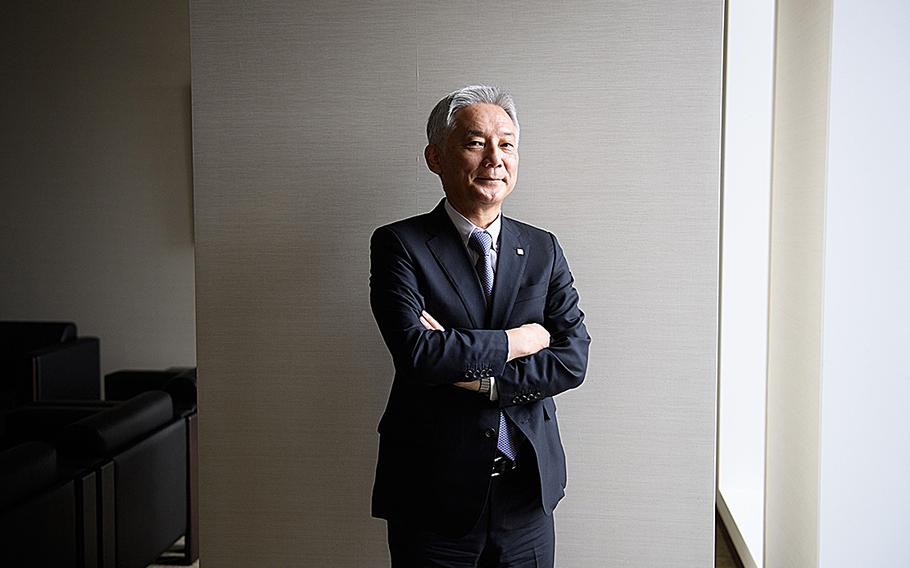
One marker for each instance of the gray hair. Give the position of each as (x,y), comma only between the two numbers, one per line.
(441,120)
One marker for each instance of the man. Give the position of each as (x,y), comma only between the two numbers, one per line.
(481,318)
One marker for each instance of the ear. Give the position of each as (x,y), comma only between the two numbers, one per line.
(434,159)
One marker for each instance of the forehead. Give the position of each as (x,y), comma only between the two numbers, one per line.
(483,118)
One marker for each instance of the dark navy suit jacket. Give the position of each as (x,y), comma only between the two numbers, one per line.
(438,441)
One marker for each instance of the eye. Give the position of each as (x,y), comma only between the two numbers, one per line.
(507,145)
(475,143)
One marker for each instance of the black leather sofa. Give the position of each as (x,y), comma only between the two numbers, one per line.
(48,513)
(138,457)
(180,383)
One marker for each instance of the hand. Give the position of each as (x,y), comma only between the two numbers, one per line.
(527,340)
(431,324)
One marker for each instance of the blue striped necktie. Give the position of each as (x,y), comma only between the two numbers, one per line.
(482,242)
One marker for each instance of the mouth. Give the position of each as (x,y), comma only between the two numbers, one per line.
(485,179)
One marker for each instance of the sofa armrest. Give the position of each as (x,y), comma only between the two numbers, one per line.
(108,431)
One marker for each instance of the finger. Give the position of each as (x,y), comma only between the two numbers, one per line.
(432,320)
(425,315)
(426,324)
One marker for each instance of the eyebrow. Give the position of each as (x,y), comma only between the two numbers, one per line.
(479,133)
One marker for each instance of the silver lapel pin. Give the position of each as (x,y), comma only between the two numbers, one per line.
(520,251)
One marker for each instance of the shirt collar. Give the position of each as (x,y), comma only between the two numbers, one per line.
(465,227)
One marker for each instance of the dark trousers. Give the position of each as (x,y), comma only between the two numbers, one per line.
(512,532)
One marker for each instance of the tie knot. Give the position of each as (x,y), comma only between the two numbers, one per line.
(481,241)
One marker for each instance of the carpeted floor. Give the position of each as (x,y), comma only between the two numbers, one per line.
(178,547)
(723,556)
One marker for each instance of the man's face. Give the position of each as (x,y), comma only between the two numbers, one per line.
(479,164)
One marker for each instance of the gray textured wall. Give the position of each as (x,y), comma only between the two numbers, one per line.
(308,121)
(96,174)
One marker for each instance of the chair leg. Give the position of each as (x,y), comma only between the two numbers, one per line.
(192,490)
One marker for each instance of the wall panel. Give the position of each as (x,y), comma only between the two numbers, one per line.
(309,133)
(796,288)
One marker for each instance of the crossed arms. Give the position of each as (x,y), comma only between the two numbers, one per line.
(538,359)
(525,340)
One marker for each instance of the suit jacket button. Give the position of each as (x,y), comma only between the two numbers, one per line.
(489,432)
(515,399)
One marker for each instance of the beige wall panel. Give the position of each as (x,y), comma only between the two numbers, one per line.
(309,134)
(796,284)
(96,174)
(304,132)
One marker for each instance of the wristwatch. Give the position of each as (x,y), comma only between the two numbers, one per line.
(484,386)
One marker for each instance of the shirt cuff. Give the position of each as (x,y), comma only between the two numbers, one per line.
(493,394)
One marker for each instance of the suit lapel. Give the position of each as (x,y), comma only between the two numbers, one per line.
(453,259)
(510,267)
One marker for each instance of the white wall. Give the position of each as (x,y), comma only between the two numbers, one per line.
(837,458)
(308,131)
(796,284)
(865,446)
(95,175)
(744,272)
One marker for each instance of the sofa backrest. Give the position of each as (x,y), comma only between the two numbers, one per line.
(20,337)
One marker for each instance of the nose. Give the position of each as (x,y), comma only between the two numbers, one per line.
(492,157)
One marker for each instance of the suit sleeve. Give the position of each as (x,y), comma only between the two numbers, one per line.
(562,365)
(424,356)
